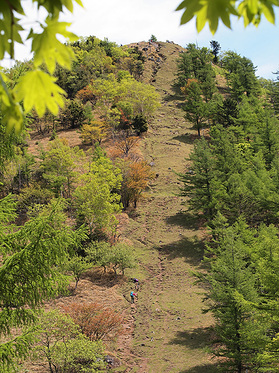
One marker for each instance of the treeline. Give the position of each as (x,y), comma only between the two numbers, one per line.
(232,184)
(58,212)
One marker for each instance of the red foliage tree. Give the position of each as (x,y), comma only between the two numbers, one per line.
(96,321)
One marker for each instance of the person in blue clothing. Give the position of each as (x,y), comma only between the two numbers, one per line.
(133,295)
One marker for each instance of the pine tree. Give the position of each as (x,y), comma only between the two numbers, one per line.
(194,106)
(232,295)
(201,182)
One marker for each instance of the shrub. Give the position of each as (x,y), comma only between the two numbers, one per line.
(60,346)
(33,195)
(96,321)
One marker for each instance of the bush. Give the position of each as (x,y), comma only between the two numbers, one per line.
(96,321)
(33,195)
(61,347)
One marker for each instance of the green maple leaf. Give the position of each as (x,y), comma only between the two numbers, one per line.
(52,6)
(11,110)
(212,11)
(38,90)
(48,49)
(208,11)
(13,117)
(9,33)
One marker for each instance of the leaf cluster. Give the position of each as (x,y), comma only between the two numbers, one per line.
(211,12)
(37,88)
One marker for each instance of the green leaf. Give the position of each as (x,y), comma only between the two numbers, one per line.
(38,90)
(201,19)
(13,117)
(191,8)
(208,11)
(268,12)
(182,5)
(48,49)
(12,112)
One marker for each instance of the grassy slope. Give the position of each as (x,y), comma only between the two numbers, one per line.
(165,331)
(171,332)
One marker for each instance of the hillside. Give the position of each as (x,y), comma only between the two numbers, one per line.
(103,179)
(171,333)
(165,330)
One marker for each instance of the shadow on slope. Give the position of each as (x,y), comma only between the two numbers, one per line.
(198,338)
(187,138)
(184,220)
(191,249)
(208,368)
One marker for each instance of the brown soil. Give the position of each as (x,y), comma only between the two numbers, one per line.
(165,330)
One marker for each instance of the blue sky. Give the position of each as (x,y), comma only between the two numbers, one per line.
(126,21)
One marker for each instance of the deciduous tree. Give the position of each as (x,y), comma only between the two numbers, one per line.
(96,198)
(59,167)
(61,347)
(29,272)
(95,320)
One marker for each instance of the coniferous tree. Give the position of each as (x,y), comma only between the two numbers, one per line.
(227,112)
(197,111)
(29,273)
(201,183)
(215,49)
(233,299)
(240,75)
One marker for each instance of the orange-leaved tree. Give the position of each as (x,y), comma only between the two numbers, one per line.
(136,176)
(95,320)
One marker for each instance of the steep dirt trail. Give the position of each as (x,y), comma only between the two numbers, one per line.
(171,332)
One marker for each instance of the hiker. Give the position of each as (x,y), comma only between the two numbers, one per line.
(133,295)
(136,282)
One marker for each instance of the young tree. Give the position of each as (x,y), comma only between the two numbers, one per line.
(94,132)
(233,299)
(59,167)
(96,198)
(99,253)
(122,257)
(240,75)
(153,38)
(195,64)
(77,265)
(201,183)
(194,106)
(60,345)
(227,112)
(73,115)
(29,273)
(136,177)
